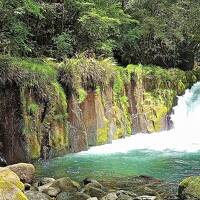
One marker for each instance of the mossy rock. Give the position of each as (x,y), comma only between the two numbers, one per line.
(10,177)
(10,185)
(9,191)
(189,188)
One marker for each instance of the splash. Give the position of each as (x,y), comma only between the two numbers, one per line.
(184,137)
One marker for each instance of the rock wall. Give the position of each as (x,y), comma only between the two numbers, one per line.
(43,123)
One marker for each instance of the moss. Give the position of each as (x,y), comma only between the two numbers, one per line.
(33,108)
(190,187)
(102,134)
(82,94)
(10,191)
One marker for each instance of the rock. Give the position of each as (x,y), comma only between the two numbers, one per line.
(63,196)
(46,180)
(110,196)
(124,197)
(96,185)
(66,185)
(92,198)
(25,171)
(127,193)
(10,185)
(52,191)
(189,188)
(95,192)
(45,187)
(27,186)
(145,198)
(3,162)
(80,195)
(72,196)
(9,176)
(35,195)
(10,191)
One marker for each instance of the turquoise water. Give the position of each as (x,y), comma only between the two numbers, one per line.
(169,155)
(169,166)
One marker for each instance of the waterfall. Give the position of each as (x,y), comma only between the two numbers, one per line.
(184,137)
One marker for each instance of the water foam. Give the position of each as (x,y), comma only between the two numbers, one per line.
(184,137)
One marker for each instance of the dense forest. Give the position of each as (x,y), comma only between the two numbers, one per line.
(158,32)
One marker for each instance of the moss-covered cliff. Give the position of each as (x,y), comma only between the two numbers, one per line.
(48,109)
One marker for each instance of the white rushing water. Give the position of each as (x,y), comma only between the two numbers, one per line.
(184,137)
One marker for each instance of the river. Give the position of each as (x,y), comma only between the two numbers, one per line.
(169,155)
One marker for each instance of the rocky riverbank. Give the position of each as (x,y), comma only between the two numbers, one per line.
(18,182)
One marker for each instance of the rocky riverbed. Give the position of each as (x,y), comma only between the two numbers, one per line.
(19,182)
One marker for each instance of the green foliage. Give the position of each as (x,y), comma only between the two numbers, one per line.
(82,94)
(86,72)
(33,108)
(64,45)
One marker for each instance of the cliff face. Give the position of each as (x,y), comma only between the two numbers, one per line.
(48,110)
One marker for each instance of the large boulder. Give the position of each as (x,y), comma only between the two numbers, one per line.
(10,177)
(10,191)
(189,188)
(25,171)
(10,185)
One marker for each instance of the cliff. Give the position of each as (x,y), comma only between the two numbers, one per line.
(49,109)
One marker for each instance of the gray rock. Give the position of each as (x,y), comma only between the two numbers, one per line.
(72,196)
(110,196)
(124,197)
(126,193)
(66,185)
(46,180)
(52,191)
(63,196)
(95,192)
(35,195)
(92,198)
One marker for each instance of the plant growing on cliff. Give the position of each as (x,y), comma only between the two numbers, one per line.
(86,72)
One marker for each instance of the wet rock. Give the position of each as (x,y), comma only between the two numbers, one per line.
(3,162)
(66,185)
(25,171)
(52,191)
(189,188)
(95,192)
(110,196)
(35,195)
(96,185)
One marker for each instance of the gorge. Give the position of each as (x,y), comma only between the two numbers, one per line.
(50,109)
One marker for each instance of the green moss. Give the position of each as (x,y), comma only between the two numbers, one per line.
(190,187)
(82,94)
(102,134)
(33,108)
